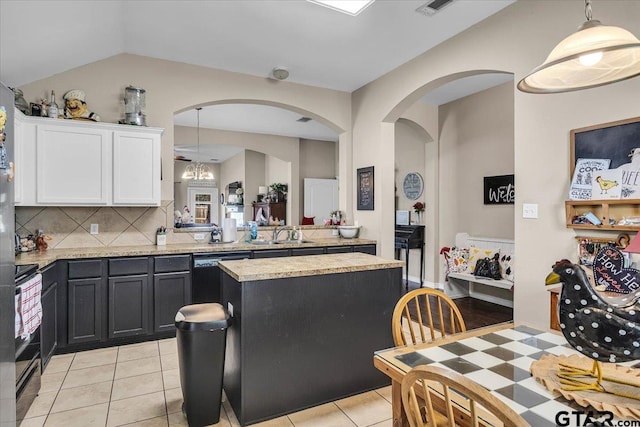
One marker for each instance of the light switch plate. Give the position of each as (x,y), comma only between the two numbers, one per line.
(530,210)
(94,228)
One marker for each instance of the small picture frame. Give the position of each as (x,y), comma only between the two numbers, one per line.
(365,189)
(36,109)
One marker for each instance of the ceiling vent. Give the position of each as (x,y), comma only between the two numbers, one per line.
(304,119)
(432,7)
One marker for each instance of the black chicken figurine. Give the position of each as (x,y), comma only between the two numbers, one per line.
(603,329)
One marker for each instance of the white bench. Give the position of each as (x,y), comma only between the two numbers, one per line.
(466,284)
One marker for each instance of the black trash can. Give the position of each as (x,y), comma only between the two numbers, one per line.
(201,333)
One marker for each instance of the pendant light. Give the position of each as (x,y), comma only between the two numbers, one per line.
(593,56)
(200,171)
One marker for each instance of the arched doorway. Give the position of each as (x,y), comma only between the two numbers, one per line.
(266,142)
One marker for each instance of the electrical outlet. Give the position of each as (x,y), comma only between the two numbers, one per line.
(530,210)
(94,228)
(198,236)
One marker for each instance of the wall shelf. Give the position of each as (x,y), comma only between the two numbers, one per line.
(605,210)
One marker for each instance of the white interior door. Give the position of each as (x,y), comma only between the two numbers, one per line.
(203,204)
(320,198)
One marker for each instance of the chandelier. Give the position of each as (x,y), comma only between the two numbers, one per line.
(199,171)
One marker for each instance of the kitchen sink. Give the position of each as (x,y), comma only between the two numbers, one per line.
(279,242)
(264,242)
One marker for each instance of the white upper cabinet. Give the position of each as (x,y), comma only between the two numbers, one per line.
(68,163)
(136,168)
(72,165)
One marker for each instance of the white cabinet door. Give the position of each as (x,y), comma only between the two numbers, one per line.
(136,168)
(25,161)
(73,165)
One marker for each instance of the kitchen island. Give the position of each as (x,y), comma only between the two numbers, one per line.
(304,329)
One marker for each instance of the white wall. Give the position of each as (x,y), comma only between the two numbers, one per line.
(254,177)
(318,159)
(476,140)
(515,40)
(232,170)
(173,87)
(410,148)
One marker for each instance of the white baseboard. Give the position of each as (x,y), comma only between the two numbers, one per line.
(456,289)
(491,298)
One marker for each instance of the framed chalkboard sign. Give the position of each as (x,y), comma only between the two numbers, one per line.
(412,185)
(499,190)
(613,141)
(365,189)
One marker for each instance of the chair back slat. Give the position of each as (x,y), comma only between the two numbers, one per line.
(423,309)
(462,401)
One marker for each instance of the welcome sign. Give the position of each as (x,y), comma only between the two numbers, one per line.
(609,271)
(499,190)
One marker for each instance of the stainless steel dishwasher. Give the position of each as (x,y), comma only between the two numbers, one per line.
(207,277)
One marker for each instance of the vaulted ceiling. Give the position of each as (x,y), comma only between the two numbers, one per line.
(318,46)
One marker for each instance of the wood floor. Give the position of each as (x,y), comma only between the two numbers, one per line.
(477,313)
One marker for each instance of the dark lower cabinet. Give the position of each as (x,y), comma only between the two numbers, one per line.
(271,253)
(367,249)
(49,327)
(85,307)
(128,306)
(339,249)
(306,251)
(171,291)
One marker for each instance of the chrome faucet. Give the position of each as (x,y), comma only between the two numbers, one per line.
(277,230)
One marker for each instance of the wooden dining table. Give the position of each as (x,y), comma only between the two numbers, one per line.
(497,357)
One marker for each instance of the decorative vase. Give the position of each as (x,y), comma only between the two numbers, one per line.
(418,218)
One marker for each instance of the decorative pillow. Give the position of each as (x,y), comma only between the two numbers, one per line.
(478,253)
(308,221)
(457,260)
(506,267)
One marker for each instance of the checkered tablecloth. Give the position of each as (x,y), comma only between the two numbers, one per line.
(500,361)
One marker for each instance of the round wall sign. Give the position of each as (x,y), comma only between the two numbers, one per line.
(412,185)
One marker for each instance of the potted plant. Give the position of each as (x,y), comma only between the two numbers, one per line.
(278,191)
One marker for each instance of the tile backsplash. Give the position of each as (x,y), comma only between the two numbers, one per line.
(69,227)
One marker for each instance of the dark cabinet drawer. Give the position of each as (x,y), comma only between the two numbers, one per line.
(128,266)
(339,249)
(83,269)
(173,263)
(271,253)
(306,251)
(366,249)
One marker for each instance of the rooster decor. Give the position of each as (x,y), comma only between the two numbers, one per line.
(603,329)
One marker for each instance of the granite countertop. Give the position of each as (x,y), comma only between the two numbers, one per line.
(44,258)
(311,265)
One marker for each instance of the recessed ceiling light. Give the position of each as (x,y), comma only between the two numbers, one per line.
(350,7)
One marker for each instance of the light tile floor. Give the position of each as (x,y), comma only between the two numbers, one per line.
(139,385)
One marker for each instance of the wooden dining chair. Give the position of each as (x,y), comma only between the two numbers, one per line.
(423,315)
(434,396)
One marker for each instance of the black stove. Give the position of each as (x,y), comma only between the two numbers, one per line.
(27,349)
(24,271)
